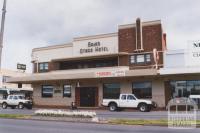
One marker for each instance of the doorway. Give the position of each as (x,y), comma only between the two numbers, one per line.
(88,96)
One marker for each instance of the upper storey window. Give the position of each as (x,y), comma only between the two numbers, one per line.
(43,67)
(140,59)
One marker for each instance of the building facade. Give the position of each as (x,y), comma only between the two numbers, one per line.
(100,66)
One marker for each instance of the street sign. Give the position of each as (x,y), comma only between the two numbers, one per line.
(21,66)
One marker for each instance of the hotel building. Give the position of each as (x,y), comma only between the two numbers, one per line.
(102,66)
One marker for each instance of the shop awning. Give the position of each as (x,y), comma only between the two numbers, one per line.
(179,71)
(112,72)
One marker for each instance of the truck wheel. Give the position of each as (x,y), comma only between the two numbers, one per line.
(20,106)
(143,107)
(113,107)
(4,105)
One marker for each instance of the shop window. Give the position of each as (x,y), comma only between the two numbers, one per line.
(142,89)
(111,91)
(43,67)
(140,59)
(47,91)
(185,88)
(67,90)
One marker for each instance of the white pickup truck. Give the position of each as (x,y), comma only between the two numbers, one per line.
(14,101)
(129,101)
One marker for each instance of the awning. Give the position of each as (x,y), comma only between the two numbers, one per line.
(179,71)
(92,73)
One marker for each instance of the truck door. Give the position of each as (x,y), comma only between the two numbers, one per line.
(123,101)
(131,101)
(15,100)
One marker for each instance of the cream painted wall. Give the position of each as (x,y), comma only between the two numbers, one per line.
(158,92)
(48,54)
(56,100)
(13,73)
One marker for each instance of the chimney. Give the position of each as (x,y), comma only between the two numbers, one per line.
(139,43)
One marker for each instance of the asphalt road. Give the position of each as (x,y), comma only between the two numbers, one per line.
(29,126)
(104,114)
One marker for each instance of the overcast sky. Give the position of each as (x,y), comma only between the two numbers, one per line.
(37,23)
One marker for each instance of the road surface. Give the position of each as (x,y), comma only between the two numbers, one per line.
(29,126)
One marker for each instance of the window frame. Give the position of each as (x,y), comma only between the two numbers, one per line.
(42,92)
(64,95)
(44,65)
(111,96)
(134,60)
(4,78)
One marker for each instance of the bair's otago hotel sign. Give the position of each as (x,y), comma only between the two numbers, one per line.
(97,46)
(93,47)
(193,54)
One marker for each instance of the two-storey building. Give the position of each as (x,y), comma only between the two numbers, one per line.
(100,66)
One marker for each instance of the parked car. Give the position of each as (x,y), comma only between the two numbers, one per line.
(14,101)
(129,101)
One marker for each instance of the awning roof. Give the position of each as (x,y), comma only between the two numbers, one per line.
(83,74)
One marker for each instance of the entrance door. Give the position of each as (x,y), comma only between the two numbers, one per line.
(87,96)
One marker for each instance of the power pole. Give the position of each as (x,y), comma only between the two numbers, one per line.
(2,28)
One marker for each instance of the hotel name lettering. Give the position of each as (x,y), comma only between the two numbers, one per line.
(196,45)
(93,47)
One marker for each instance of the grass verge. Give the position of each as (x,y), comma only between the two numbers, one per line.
(161,122)
(14,116)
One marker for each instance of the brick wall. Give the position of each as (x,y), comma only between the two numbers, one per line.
(152,37)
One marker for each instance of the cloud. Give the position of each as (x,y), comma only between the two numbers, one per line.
(37,23)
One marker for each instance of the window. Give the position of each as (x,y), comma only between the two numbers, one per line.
(185,88)
(67,90)
(10,97)
(148,58)
(130,97)
(5,78)
(111,91)
(123,97)
(140,59)
(19,85)
(15,98)
(47,91)
(142,89)
(132,59)
(43,67)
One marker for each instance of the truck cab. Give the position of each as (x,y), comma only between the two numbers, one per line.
(129,101)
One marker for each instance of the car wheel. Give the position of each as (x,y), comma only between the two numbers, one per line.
(112,107)
(4,105)
(20,106)
(143,107)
